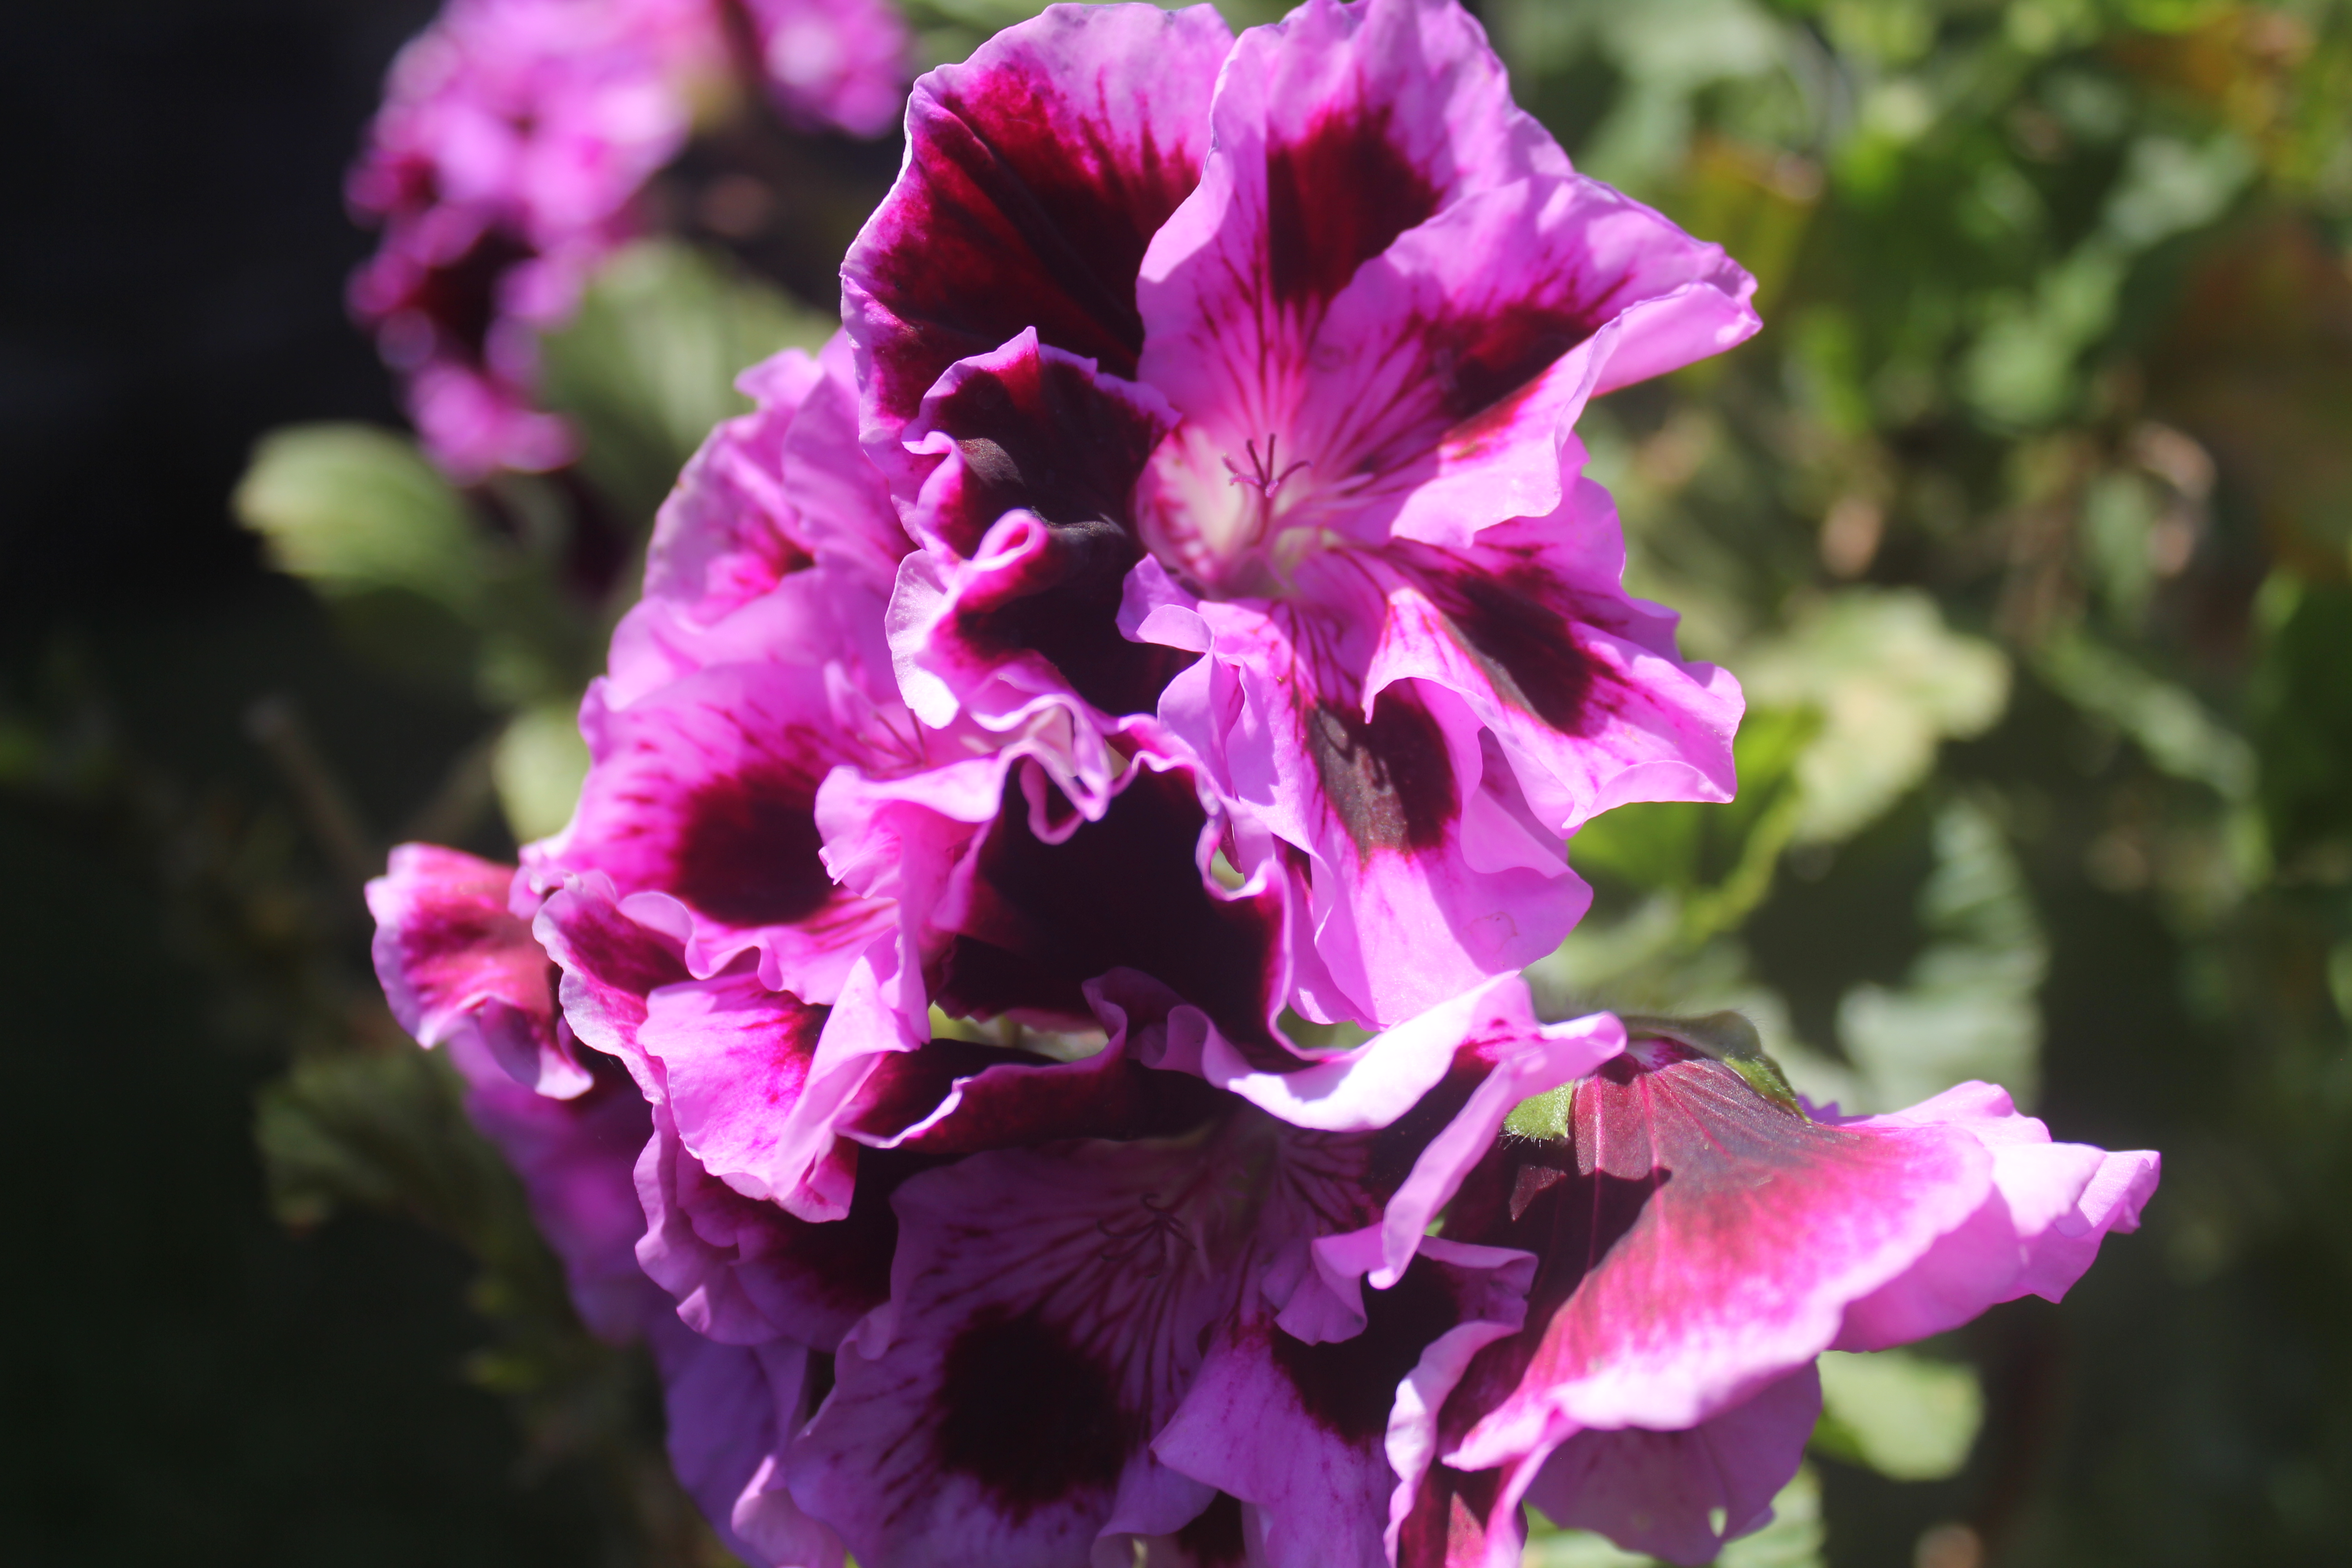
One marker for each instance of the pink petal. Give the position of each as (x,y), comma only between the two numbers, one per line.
(1423,877)
(1703,1242)
(2036,1233)
(1032,426)
(1662,1492)
(745,1272)
(455,964)
(734,1057)
(1299,1432)
(1046,1310)
(611,964)
(1336,131)
(1583,691)
(707,791)
(731,1409)
(954,1097)
(1032,918)
(727,532)
(1035,175)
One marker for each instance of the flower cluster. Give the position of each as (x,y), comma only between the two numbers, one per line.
(509,158)
(1165,637)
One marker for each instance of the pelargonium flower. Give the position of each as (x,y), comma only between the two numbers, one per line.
(1233,384)
(962,699)
(514,140)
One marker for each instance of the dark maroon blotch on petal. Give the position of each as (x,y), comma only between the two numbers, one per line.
(1013,215)
(1485,360)
(747,849)
(1041,433)
(1123,892)
(1337,197)
(1065,609)
(1389,780)
(1349,1386)
(1052,1101)
(1031,1416)
(1527,649)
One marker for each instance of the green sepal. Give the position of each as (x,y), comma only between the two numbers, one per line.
(1729,1038)
(1544,1117)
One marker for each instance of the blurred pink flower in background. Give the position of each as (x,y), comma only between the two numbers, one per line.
(508,159)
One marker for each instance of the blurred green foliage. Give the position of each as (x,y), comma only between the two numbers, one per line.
(2027,523)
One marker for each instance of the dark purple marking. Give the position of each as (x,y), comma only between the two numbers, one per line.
(1509,625)
(1488,358)
(1054,1100)
(1013,212)
(1032,1417)
(1390,782)
(1065,608)
(1119,893)
(1043,434)
(1213,1538)
(1336,198)
(615,953)
(1348,1387)
(446,928)
(747,849)
(461,298)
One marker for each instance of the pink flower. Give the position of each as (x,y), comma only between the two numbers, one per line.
(506,162)
(1181,607)
(1259,362)
(1700,1241)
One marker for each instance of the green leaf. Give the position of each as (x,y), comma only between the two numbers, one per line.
(1967,1007)
(539,766)
(649,365)
(2165,720)
(352,508)
(1891,681)
(1903,1414)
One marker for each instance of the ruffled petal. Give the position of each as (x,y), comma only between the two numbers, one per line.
(1036,173)
(1414,856)
(731,1409)
(1300,1433)
(1336,131)
(745,1272)
(1699,1242)
(958,1097)
(735,1056)
(1043,901)
(2036,1233)
(455,962)
(770,494)
(611,962)
(727,532)
(707,791)
(1581,687)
